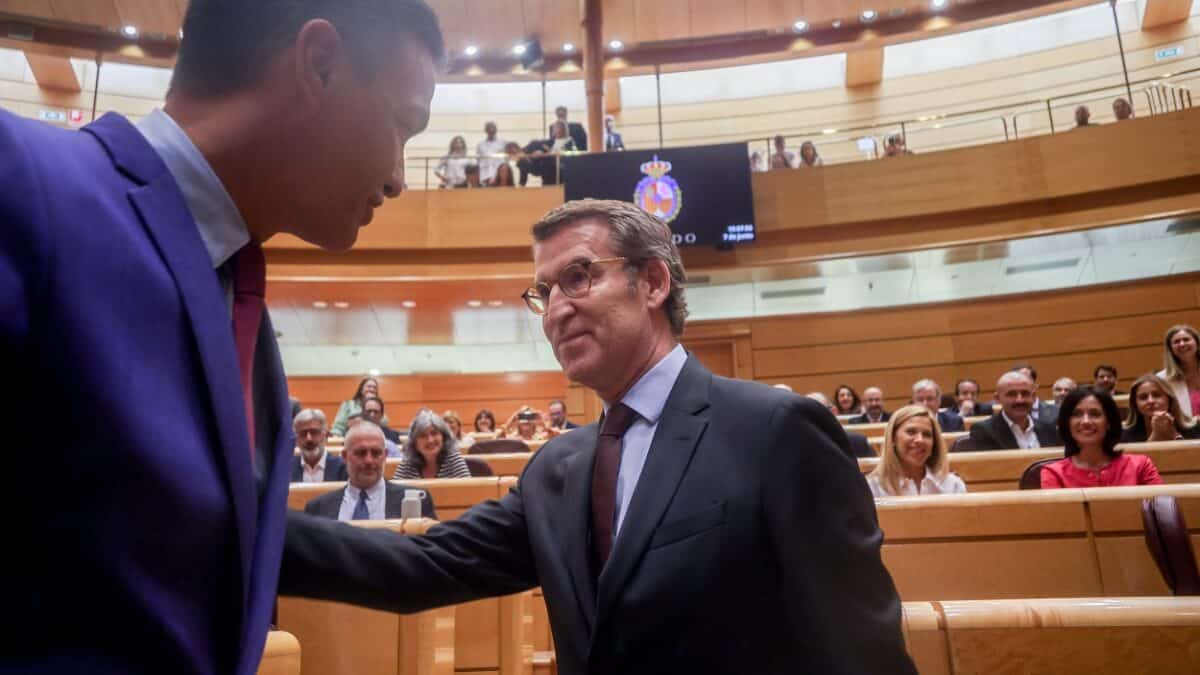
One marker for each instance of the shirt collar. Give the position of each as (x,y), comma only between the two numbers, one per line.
(648,396)
(217,218)
(373,492)
(1013,425)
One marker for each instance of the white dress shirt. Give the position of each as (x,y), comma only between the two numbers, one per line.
(1026,439)
(376,501)
(646,397)
(315,474)
(930,485)
(491,156)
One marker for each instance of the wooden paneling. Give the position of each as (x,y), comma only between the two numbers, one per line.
(864,67)
(53,72)
(1162,12)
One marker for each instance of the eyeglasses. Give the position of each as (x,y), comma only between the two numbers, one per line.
(575,280)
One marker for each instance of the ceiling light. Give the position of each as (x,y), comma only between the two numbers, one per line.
(474,303)
(829,131)
(495,303)
(939,4)
(320,304)
(837,23)
(180,33)
(471,50)
(868,15)
(616,45)
(519,48)
(800,26)
(129,31)
(408,304)
(374,372)
(341,304)
(568,47)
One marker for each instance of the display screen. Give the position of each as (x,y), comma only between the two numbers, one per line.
(702,192)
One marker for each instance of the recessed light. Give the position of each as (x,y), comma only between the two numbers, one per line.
(568,47)
(519,48)
(471,50)
(837,23)
(341,304)
(616,45)
(408,304)
(868,15)
(800,26)
(374,372)
(495,303)
(474,303)
(180,33)
(129,31)
(829,131)
(939,4)
(320,304)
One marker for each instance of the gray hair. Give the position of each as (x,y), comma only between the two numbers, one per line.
(425,420)
(635,235)
(364,427)
(926,384)
(307,415)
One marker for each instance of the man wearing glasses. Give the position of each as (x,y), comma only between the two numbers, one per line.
(705,525)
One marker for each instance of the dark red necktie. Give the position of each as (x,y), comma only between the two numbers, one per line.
(249,290)
(604,480)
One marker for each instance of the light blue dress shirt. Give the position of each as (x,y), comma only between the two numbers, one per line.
(647,397)
(221,225)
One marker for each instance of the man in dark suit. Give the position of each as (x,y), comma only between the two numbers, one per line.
(132,274)
(314,464)
(706,525)
(1042,411)
(860,446)
(367,495)
(575,130)
(927,393)
(1014,428)
(558,417)
(966,395)
(612,140)
(873,412)
(373,411)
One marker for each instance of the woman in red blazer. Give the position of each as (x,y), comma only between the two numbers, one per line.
(1090,426)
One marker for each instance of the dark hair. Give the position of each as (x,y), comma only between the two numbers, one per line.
(227,44)
(1111,415)
(1096,372)
(855,402)
(1024,366)
(964,380)
(373,398)
(560,402)
(482,414)
(358,393)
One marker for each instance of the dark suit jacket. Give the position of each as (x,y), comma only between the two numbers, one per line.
(391,434)
(328,504)
(335,468)
(108,291)
(577,133)
(994,434)
(863,419)
(1048,413)
(751,546)
(859,445)
(982,408)
(950,420)
(614,141)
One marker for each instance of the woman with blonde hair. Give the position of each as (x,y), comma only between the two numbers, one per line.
(914,459)
(452,419)
(1181,367)
(1155,413)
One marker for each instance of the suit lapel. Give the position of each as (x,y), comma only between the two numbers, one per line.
(679,431)
(159,203)
(577,511)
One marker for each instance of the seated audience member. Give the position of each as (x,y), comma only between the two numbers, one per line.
(612,140)
(966,399)
(846,401)
(491,152)
(452,170)
(485,421)
(507,169)
(455,423)
(1043,411)
(525,424)
(472,177)
(872,403)
(782,158)
(372,410)
(368,386)
(914,459)
(1083,117)
(431,451)
(313,464)
(574,130)
(896,146)
(367,495)
(1122,110)
(756,162)
(808,156)
(859,445)
(1181,369)
(1090,427)
(929,394)
(1105,379)
(357,418)
(558,417)
(1014,428)
(1062,387)
(541,156)
(1155,413)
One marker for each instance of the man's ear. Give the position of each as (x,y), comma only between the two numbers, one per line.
(658,282)
(319,51)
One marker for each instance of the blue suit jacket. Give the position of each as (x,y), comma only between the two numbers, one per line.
(151,544)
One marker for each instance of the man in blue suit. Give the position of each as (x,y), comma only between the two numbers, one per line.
(131,274)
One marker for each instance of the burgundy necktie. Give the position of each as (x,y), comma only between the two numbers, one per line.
(604,480)
(249,289)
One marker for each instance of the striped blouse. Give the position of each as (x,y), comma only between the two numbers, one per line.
(453,466)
